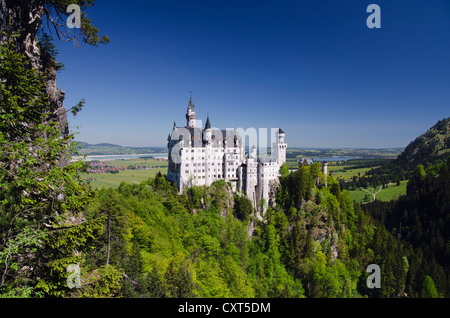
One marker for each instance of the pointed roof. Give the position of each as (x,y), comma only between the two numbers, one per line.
(208,123)
(191,103)
(280,131)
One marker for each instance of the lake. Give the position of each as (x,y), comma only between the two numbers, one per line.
(337,158)
(164,155)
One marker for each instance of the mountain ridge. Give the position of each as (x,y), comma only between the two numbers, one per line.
(113,149)
(431,147)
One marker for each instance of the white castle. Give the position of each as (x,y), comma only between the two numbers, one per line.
(200,156)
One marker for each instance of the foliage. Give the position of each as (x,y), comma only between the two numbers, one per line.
(49,53)
(243,207)
(39,190)
(420,219)
(189,247)
(56,15)
(428,288)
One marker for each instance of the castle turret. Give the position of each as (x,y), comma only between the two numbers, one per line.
(253,153)
(279,147)
(325,167)
(190,115)
(207,132)
(208,123)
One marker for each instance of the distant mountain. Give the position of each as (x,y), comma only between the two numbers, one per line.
(427,148)
(431,147)
(106,145)
(112,149)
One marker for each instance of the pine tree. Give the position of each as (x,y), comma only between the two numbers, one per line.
(37,192)
(428,288)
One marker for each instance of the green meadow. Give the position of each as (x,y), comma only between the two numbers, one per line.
(340,172)
(113,180)
(391,192)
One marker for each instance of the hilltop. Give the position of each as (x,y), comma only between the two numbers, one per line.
(430,148)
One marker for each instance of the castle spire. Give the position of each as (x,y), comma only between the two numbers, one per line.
(191,103)
(190,115)
(208,123)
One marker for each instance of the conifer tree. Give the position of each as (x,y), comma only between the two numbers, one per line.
(37,193)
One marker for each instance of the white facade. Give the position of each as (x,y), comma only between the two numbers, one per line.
(201,156)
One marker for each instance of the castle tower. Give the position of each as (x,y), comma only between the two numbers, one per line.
(280,147)
(253,153)
(325,171)
(190,115)
(325,167)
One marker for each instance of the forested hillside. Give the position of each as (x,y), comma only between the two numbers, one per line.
(428,149)
(147,240)
(422,218)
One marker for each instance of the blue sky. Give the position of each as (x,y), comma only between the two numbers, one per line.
(311,67)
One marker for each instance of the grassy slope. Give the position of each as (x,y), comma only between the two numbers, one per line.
(391,192)
(339,172)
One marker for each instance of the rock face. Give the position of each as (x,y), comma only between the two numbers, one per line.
(26,17)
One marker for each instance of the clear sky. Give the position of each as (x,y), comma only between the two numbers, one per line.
(311,67)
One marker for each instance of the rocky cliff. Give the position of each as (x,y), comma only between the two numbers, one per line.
(25,17)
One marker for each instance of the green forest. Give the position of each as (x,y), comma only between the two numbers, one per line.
(60,238)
